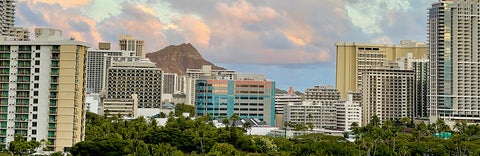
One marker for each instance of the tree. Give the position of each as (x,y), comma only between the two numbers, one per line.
(22,147)
(181,108)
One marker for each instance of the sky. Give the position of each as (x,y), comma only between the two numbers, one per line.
(291,41)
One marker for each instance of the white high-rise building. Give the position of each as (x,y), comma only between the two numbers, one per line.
(7,15)
(42,89)
(454,60)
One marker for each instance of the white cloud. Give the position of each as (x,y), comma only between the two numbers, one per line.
(373,15)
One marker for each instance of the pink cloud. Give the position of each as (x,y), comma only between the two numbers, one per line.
(67,20)
(194,30)
(245,12)
(63,3)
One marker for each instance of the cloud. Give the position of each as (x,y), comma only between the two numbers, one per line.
(382,40)
(194,30)
(369,15)
(80,27)
(135,20)
(63,3)
(244,11)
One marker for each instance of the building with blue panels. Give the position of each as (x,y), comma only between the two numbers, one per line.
(247,99)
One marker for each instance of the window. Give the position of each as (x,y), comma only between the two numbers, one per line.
(34,117)
(35,101)
(35,108)
(37,62)
(37,78)
(37,55)
(35,85)
(34,132)
(37,47)
(37,70)
(34,124)
(35,93)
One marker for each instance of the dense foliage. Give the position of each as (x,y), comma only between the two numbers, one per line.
(183,136)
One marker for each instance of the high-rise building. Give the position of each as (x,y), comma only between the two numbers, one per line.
(129,43)
(421,91)
(43,89)
(454,60)
(354,58)
(206,72)
(349,111)
(7,15)
(246,99)
(320,116)
(322,95)
(95,67)
(387,93)
(142,78)
(169,83)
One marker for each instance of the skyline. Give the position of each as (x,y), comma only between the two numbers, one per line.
(293,40)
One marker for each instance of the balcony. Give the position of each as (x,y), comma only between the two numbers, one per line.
(54,73)
(52,121)
(23,73)
(52,128)
(21,111)
(53,112)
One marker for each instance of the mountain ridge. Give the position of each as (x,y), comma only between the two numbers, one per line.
(178,58)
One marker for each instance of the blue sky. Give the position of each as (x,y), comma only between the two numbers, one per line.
(292,42)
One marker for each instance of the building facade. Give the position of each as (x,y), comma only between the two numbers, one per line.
(169,83)
(129,43)
(246,99)
(454,60)
(206,72)
(95,66)
(348,112)
(142,78)
(7,15)
(284,99)
(421,83)
(322,95)
(354,58)
(387,93)
(320,116)
(43,89)
(127,107)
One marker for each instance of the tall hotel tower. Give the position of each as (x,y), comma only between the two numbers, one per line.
(454,60)
(42,89)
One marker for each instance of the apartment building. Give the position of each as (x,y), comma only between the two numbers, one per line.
(454,60)
(169,83)
(320,116)
(142,78)
(322,95)
(129,43)
(126,107)
(284,99)
(349,111)
(7,15)
(43,89)
(247,99)
(387,93)
(95,67)
(354,58)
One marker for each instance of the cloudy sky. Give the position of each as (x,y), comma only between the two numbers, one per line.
(291,41)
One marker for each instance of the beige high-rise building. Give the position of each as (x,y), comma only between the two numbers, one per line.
(354,58)
(129,43)
(42,89)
